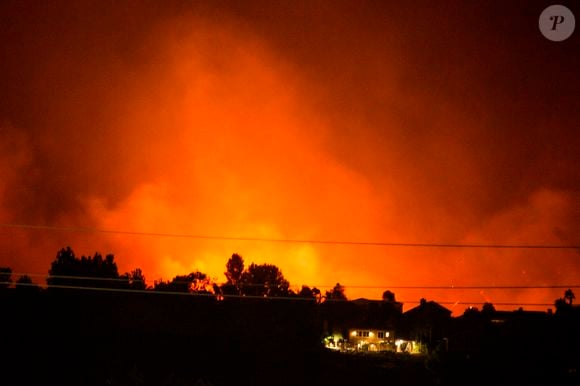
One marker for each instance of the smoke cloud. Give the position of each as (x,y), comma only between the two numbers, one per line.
(271,121)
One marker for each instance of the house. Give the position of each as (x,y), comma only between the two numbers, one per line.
(361,339)
(499,331)
(426,325)
(361,324)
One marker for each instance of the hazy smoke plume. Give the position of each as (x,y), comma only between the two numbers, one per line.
(296,122)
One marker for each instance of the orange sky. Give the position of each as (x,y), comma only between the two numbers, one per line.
(294,121)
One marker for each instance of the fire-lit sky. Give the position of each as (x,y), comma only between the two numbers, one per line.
(410,122)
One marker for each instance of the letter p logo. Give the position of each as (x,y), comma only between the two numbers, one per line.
(557,20)
(557,23)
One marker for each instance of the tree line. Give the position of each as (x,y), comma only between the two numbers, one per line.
(257,280)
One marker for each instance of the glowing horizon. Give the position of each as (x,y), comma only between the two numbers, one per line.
(175,121)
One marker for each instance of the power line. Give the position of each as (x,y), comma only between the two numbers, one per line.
(156,292)
(75,277)
(385,286)
(255,297)
(288,241)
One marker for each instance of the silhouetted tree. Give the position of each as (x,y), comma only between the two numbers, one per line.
(180,283)
(389,296)
(471,312)
(264,280)
(162,285)
(135,279)
(564,305)
(317,294)
(561,304)
(25,284)
(569,296)
(65,264)
(68,270)
(200,282)
(24,279)
(195,282)
(337,293)
(488,308)
(305,292)
(234,269)
(5,277)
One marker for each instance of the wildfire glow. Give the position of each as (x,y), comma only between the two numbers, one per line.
(210,128)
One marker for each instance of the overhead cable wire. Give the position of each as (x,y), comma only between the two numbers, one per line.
(386,286)
(288,240)
(219,297)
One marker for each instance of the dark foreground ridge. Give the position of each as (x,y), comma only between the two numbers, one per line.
(99,338)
